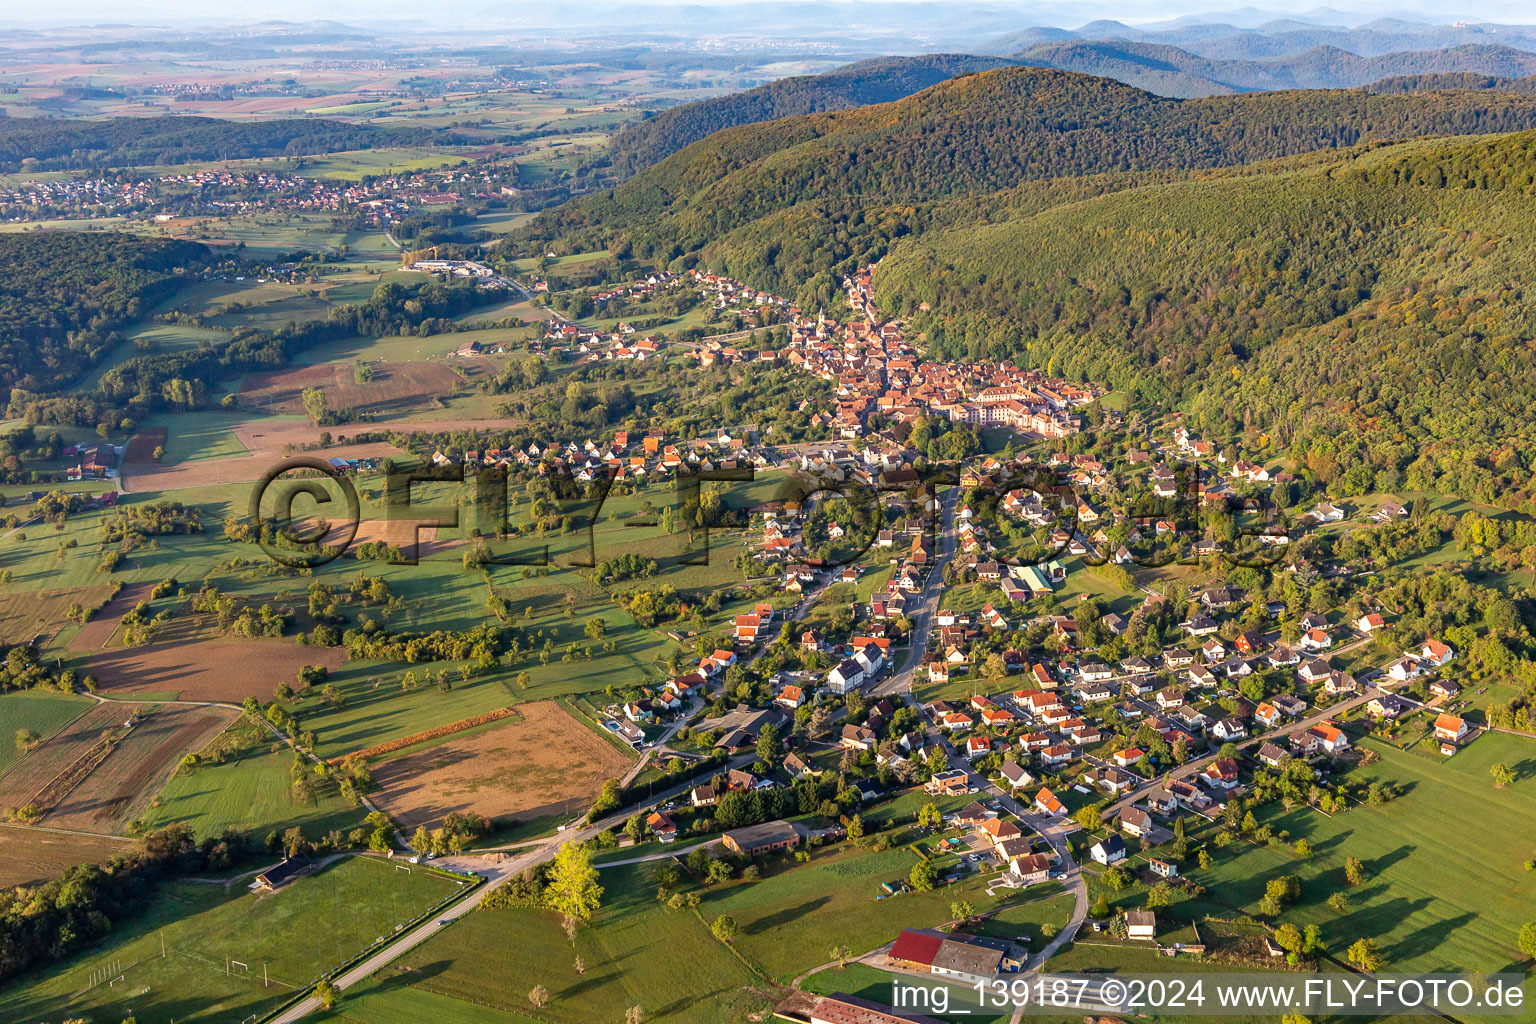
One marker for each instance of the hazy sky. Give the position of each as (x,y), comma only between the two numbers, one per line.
(462,13)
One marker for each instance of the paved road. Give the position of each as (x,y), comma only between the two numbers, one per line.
(499,875)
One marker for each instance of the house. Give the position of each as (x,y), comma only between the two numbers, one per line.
(664,828)
(1141,924)
(847,676)
(1330,738)
(977,746)
(1056,753)
(1340,682)
(790,697)
(1135,822)
(1451,729)
(1161,801)
(1314,671)
(703,796)
(275,878)
(1272,755)
(1436,653)
(1220,774)
(799,767)
(1163,868)
(1127,757)
(858,737)
(1108,851)
(1443,688)
(1031,868)
(999,831)
(1369,624)
(1200,625)
(1046,803)
(1388,706)
(757,840)
(955,721)
(948,783)
(1228,730)
(1316,640)
(1015,776)
(631,733)
(1266,714)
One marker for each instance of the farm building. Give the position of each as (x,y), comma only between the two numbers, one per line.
(756,840)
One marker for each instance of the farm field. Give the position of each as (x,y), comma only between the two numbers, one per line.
(1432,901)
(358,898)
(217,670)
(24,615)
(136,768)
(41,711)
(393,387)
(31,855)
(493,957)
(31,774)
(539,764)
(396,1001)
(100,627)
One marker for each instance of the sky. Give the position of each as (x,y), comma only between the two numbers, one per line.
(467,14)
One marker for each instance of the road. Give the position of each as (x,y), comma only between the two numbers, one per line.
(499,875)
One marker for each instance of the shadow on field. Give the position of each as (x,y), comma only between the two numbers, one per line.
(786,915)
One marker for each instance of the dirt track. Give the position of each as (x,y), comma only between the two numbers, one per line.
(222,670)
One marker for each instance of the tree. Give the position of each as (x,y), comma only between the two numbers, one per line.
(580,966)
(1288,938)
(1303,848)
(326,993)
(1100,906)
(961,910)
(1502,776)
(725,928)
(1527,940)
(1295,1018)
(315,404)
(634,1015)
(422,840)
(538,997)
(635,827)
(768,745)
(924,876)
(841,955)
(1090,816)
(573,888)
(26,739)
(1204,856)
(1364,955)
(929,816)
(1354,871)
(1160,896)
(856,830)
(1338,903)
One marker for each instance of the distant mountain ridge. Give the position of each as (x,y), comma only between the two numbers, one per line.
(1172,71)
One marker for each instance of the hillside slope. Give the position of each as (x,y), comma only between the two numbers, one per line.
(1368,314)
(820,186)
(870,81)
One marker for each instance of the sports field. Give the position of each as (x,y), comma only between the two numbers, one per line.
(218,946)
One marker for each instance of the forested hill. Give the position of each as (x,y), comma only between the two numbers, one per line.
(1452,80)
(879,80)
(791,193)
(1367,318)
(58,144)
(65,292)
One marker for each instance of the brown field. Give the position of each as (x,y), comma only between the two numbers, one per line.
(540,764)
(143,444)
(32,773)
(405,534)
(29,856)
(24,616)
(99,628)
(395,387)
(222,670)
(137,768)
(272,440)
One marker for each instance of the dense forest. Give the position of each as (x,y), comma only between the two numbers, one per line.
(64,293)
(821,178)
(879,80)
(1367,319)
(39,143)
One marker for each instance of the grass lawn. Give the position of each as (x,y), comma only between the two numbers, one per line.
(252,790)
(797,912)
(43,712)
(205,434)
(358,900)
(637,952)
(393,1000)
(1445,889)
